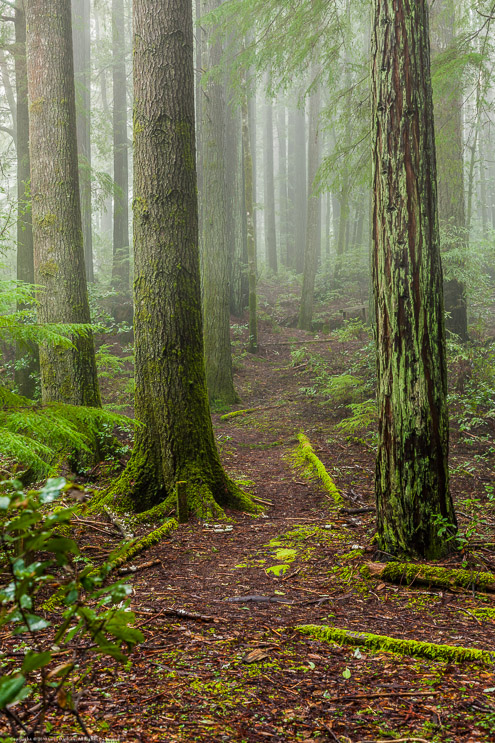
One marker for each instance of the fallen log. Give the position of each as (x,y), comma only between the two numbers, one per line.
(381,643)
(430,575)
(305,453)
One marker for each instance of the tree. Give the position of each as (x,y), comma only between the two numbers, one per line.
(81,24)
(216,251)
(450,157)
(412,482)
(249,192)
(175,440)
(67,375)
(269,183)
(27,356)
(313,220)
(120,263)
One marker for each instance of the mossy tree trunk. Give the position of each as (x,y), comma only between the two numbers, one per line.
(175,441)
(81,26)
(313,233)
(448,95)
(120,262)
(27,357)
(216,251)
(67,375)
(412,483)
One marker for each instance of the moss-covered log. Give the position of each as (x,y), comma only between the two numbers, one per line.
(430,575)
(381,643)
(305,454)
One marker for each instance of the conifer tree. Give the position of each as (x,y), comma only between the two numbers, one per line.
(216,251)
(412,482)
(175,440)
(67,375)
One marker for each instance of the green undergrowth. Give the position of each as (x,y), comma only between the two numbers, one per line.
(123,553)
(305,460)
(380,643)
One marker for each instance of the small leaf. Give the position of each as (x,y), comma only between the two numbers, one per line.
(255,655)
(4,503)
(346,674)
(10,688)
(33,661)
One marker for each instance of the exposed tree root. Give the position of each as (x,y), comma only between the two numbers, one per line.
(432,651)
(409,573)
(305,456)
(206,497)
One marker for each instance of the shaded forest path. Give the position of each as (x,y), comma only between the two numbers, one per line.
(233,667)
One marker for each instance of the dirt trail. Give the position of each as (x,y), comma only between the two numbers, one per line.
(244,673)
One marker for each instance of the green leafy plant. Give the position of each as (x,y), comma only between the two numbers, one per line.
(58,651)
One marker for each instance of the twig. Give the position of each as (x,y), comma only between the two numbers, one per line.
(135,568)
(378,695)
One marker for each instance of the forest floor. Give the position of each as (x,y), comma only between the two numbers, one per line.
(235,666)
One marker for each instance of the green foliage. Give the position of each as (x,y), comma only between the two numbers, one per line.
(40,437)
(472,399)
(95,619)
(363,416)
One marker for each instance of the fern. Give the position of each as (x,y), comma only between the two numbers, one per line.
(40,437)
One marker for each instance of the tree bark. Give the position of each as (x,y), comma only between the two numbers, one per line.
(250,227)
(216,255)
(313,222)
(450,158)
(120,263)
(269,189)
(282,184)
(412,482)
(81,24)
(27,357)
(67,375)
(175,441)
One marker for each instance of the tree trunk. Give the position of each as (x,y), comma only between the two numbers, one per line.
(448,95)
(120,263)
(175,441)
(301,193)
(269,190)
(82,74)
(67,375)
(250,227)
(313,222)
(282,184)
(27,356)
(235,204)
(216,250)
(412,482)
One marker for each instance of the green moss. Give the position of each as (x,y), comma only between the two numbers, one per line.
(236,413)
(305,455)
(47,220)
(409,573)
(380,643)
(48,268)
